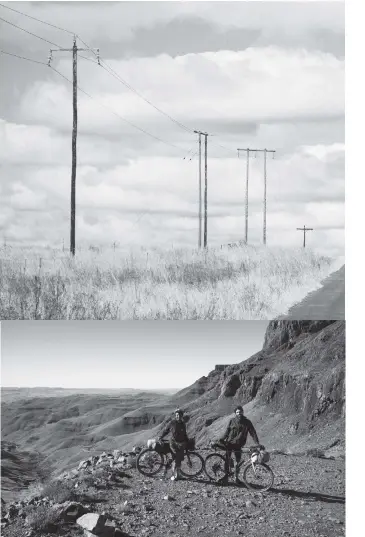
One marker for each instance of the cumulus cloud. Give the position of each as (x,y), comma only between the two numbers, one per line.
(279,93)
(251,86)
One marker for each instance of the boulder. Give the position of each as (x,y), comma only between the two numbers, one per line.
(83,464)
(92,522)
(71,511)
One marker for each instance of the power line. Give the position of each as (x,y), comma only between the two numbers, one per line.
(96,100)
(88,59)
(222,146)
(22,57)
(118,115)
(131,88)
(38,20)
(30,33)
(111,70)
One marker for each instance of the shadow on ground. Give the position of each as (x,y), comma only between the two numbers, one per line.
(314,496)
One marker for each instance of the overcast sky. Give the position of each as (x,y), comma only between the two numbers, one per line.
(91,354)
(254,74)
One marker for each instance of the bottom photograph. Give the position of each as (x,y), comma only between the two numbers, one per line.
(199,429)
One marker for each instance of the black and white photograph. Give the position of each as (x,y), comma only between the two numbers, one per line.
(173,429)
(172,160)
(178,161)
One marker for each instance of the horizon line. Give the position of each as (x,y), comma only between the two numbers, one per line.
(79,388)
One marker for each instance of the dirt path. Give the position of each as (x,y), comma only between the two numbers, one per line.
(328,302)
(308,499)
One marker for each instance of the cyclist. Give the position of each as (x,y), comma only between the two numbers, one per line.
(235,438)
(178,441)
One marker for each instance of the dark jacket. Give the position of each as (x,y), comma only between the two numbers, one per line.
(238,429)
(178,430)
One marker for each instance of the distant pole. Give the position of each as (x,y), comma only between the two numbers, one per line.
(74,157)
(206,194)
(304,229)
(264,229)
(200,191)
(246,200)
(205,190)
(248,151)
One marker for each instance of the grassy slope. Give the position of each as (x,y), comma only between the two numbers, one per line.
(241,283)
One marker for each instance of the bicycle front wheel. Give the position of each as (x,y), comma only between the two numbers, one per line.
(192,464)
(215,466)
(256,476)
(149,463)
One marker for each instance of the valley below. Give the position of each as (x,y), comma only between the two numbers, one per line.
(293,390)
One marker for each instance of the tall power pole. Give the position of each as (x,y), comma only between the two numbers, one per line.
(304,229)
(206,193)
(248,151)
(200,133)
(74,147)
(74,51)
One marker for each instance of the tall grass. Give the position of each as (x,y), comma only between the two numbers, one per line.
(239,283)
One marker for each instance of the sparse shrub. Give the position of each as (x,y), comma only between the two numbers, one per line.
(315,452)
(86,480)
(229,283)
(59,491)
(42,518)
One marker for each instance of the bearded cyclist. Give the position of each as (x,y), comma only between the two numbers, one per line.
(235,438)
(178,441)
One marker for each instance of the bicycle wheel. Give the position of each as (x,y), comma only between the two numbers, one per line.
(215,466)
(192,465)
(149,462)
(256,476)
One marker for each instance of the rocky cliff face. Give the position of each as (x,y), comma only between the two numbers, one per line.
(293,390)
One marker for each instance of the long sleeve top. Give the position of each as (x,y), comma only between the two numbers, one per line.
(178,430)
(238,429)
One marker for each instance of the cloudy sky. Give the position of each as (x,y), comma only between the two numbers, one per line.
(122,355)
(253,74)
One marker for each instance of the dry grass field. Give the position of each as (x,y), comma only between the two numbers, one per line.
(228,283)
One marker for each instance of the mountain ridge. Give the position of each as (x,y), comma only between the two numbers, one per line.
(293,390)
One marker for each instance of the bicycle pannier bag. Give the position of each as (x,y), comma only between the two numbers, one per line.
(261,456)
(191,444)
(162,447)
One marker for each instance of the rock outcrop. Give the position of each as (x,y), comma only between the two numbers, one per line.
(293,390)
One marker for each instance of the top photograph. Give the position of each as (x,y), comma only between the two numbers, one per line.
(172,160)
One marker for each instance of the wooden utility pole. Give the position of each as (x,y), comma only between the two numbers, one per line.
(248,151)
(74,51)
(200,191)
(304,229)
(206,193)
(74,156)
(200,133)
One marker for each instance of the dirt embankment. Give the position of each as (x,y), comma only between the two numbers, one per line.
(307,500)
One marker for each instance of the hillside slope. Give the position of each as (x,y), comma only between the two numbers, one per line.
(307,500)
(293,390)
